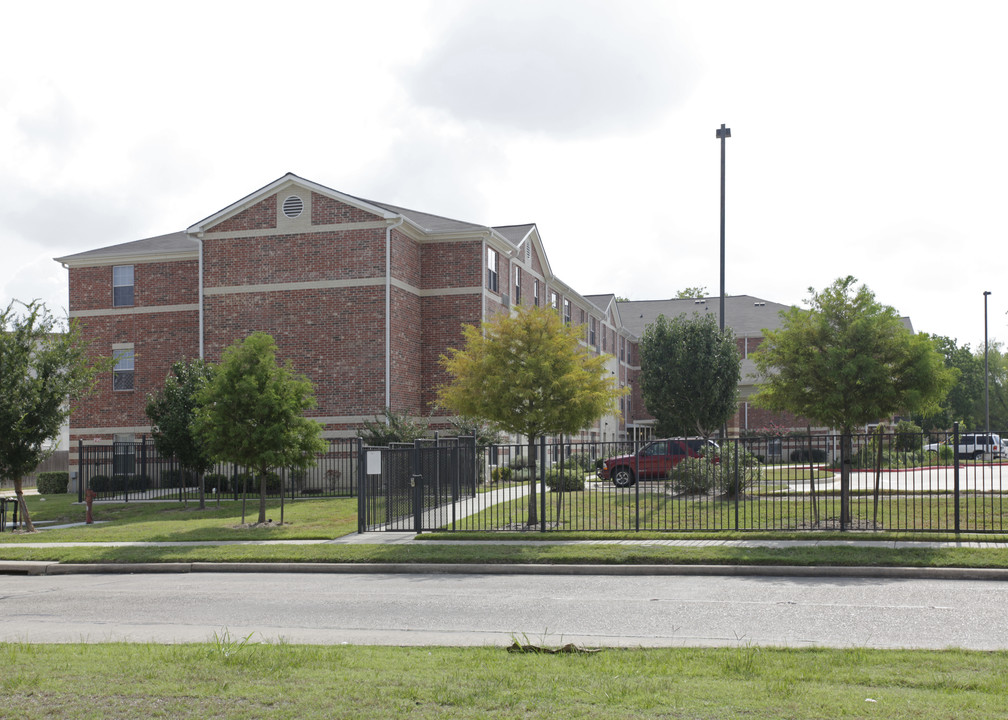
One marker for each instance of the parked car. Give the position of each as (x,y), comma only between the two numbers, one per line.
(654,460)
(972,445)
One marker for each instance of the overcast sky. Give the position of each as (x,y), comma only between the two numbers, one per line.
(868,138)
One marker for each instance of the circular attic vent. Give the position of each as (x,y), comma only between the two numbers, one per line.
(293,206)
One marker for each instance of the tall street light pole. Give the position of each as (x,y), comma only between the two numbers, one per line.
(986,378)
(723,133)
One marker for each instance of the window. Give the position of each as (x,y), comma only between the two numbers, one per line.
(567,311)
(535,292)
(622,349)
(517,290)
(122,373)
(122,285)
(592,337)
(492,269)
(554,299)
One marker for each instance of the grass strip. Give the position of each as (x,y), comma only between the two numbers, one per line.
(239,678)
(541,554)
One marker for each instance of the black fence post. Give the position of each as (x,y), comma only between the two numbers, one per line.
(80,471)
(737,479)
(416,483)
(542,484)
(361,499)
(955,471)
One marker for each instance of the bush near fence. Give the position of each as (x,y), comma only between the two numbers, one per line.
(53,482)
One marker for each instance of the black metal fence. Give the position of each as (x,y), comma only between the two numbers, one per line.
(793,483)
(871,481)
(135,471)
(419,486)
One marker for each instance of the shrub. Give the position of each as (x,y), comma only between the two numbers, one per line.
(804,455)
(176,478)
(519,463)
(581,460)
(119,483)
(569,481)
(500,474)
(737,471)
(390,427)
(216,480)
(238,481)
(909,436)
(53,482)
(692,476)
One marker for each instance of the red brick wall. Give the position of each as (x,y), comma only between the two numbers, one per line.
(294,258)
(452,265)
(159,339)
(261,216)
(329,211)
(160,283)
(335,337)
(443,318)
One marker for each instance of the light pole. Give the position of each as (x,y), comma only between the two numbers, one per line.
(723,133)
(986,380)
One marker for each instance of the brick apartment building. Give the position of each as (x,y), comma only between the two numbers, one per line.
(363,297)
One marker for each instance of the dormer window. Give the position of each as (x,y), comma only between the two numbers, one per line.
(122,285)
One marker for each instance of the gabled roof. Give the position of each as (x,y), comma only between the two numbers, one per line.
(605,303)
(173,246)
(290,178)
(515,234)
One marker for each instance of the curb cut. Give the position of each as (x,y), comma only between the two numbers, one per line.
(29,567)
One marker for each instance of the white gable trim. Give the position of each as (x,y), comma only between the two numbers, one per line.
(278,184)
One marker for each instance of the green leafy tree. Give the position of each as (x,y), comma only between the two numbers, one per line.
(691,292)
(251,413)
(690,372)
(848,361)
(171,411)
(530,374)
(966,392)
(43,373)
(997,364)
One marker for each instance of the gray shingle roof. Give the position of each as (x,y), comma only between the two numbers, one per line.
(746,315)
(176,244)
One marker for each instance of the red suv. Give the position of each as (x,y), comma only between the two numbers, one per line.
(654,460)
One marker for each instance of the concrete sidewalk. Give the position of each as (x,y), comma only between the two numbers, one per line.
(408,538)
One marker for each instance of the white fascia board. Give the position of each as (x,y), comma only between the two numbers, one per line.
(129,259)
(278,184)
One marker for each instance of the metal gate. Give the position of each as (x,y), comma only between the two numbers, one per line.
(415,487)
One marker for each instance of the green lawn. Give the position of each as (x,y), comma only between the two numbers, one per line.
(171,521)
(236,679)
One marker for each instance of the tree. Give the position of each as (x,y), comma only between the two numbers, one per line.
(691,292)
(690,372)
(967,388)
(43,372)
(171,411)
(848,361)
(997,362)
(530,374)
(251,412)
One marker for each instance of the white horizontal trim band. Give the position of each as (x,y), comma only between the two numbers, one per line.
(142,310)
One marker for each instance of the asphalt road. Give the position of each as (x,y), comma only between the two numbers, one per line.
(477,609)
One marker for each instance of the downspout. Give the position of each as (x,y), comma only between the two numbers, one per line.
(388,310)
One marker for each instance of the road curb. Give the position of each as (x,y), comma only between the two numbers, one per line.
(27,567)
